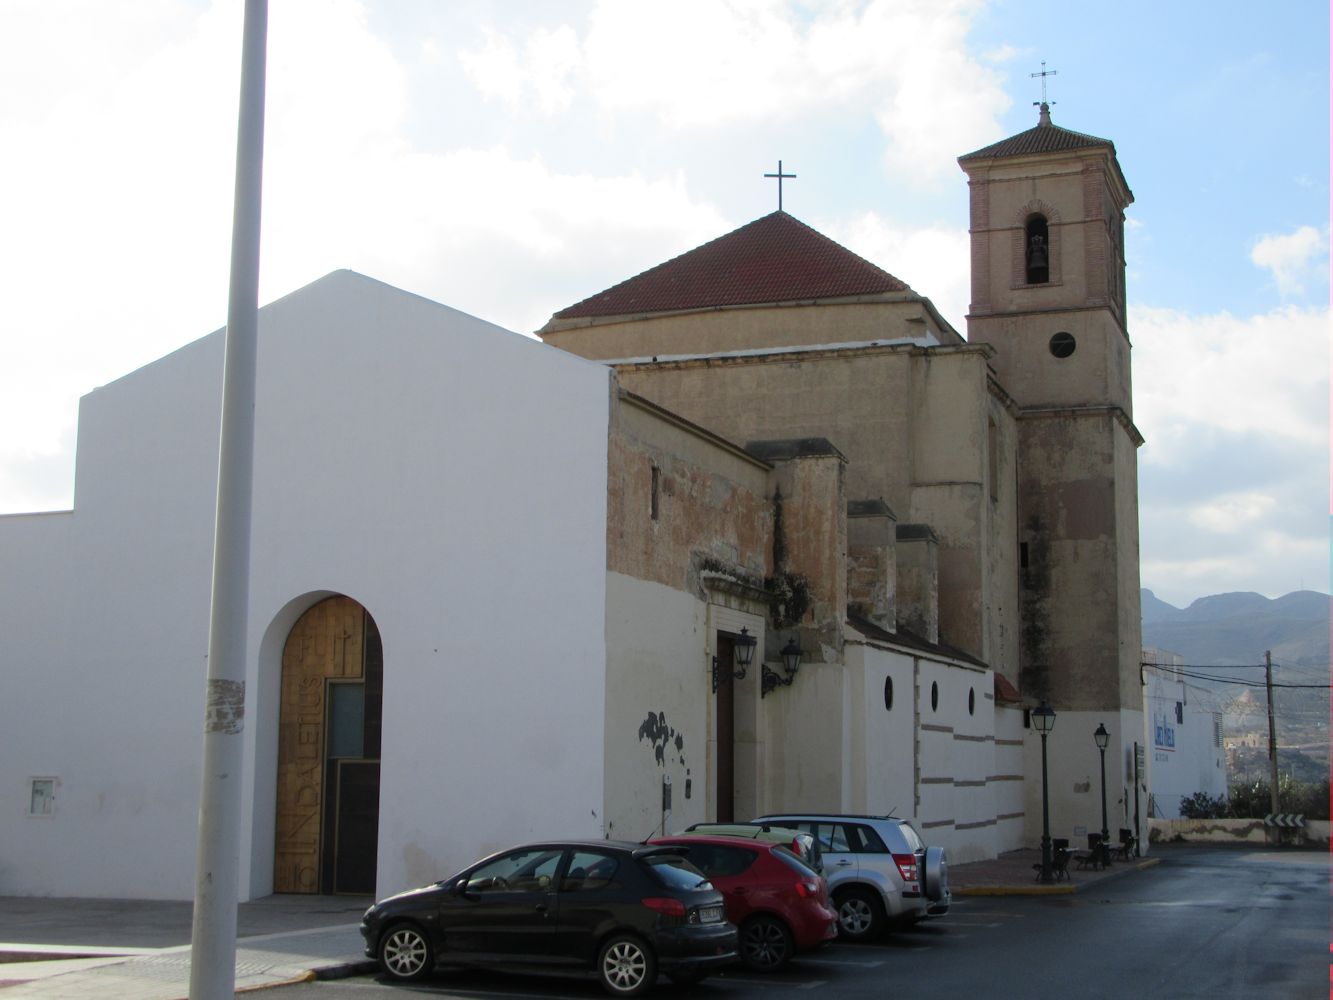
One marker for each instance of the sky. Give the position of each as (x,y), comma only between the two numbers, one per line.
(509,158)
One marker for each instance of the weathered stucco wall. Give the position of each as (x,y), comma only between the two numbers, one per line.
(1074,597)
(1233,831)
(712,500)
(914,427)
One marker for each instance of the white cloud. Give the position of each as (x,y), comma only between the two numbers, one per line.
(1290,258)
(118,252)
(541,74)
(494,69)
(934,260)
(1234,512)
(1265,374)
(1234,475)
(710,64)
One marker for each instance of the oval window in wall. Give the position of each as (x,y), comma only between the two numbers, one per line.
(934,695)
(888,694)
(1063,344)
(971,701)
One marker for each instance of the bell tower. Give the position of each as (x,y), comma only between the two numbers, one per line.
(1048,293)
(1048,265)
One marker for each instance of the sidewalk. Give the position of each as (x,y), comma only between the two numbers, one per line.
(80,949)
(1014,874)
(85,948)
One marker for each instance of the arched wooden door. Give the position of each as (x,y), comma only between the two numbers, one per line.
(328,751)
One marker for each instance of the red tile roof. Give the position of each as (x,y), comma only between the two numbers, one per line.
(773,259)
(1043,138)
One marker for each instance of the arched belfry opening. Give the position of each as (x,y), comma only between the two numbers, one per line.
(327,828)
(1037,245)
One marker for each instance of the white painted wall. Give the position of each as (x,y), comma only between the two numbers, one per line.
(957,756)
(447,474)
(883,747)
(657,690)
(946,754)
(1007,779)
(1186,755)
(1075,776)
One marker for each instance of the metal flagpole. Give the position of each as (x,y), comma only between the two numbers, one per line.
(213,938)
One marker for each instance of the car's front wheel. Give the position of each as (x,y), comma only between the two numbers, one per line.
(860,914)
(766,944)
(406,953)
(626,966)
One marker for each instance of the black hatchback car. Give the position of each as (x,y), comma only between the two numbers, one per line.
(624,911)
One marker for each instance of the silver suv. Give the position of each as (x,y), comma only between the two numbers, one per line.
(878,870)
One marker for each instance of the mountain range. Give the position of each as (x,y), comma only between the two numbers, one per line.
(1239,627)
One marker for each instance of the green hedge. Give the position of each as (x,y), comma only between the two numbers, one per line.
(1252,800)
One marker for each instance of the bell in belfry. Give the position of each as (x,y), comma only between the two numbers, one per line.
(1037,253)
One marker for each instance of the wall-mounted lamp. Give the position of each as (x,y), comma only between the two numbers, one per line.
(742,648)
(791,662)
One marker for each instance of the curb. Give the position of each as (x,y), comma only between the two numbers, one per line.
(343,970)
(346,970)
(1055,890)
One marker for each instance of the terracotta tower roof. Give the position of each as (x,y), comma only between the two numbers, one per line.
(773,259)
(1044,138)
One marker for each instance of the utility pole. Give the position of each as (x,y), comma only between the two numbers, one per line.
(213,937)
(1272,741)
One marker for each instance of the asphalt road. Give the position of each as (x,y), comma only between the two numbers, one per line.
(1207,922)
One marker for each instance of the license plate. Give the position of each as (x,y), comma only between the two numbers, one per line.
(710,914)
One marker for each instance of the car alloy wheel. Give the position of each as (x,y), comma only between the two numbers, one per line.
(626,967)
(860,916)
(405,954)
(766,944)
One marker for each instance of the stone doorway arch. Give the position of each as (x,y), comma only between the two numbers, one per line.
(329,717)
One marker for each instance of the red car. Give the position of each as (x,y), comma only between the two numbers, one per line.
(780,904)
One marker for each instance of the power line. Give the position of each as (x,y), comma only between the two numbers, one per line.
(1185,670)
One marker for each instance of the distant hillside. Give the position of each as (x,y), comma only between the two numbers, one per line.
(1238,628)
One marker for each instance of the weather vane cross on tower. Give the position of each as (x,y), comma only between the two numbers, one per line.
(780,175)
(1043,74)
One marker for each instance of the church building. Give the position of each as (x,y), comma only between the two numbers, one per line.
(755,530)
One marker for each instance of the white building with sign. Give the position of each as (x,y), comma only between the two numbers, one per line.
(1184,735)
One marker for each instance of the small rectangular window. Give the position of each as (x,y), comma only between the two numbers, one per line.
(1023,555)
(347,719)
(657,483)
(42,797)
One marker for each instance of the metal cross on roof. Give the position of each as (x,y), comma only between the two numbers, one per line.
(1043,74)
(780,175)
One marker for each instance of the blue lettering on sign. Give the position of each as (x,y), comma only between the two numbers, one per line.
(1164,735)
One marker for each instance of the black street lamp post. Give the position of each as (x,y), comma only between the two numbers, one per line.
(1103,738)
(1043,717)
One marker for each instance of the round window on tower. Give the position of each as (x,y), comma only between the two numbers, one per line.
(1063,344)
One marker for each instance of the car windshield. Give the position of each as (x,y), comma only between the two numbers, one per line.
(674,872)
